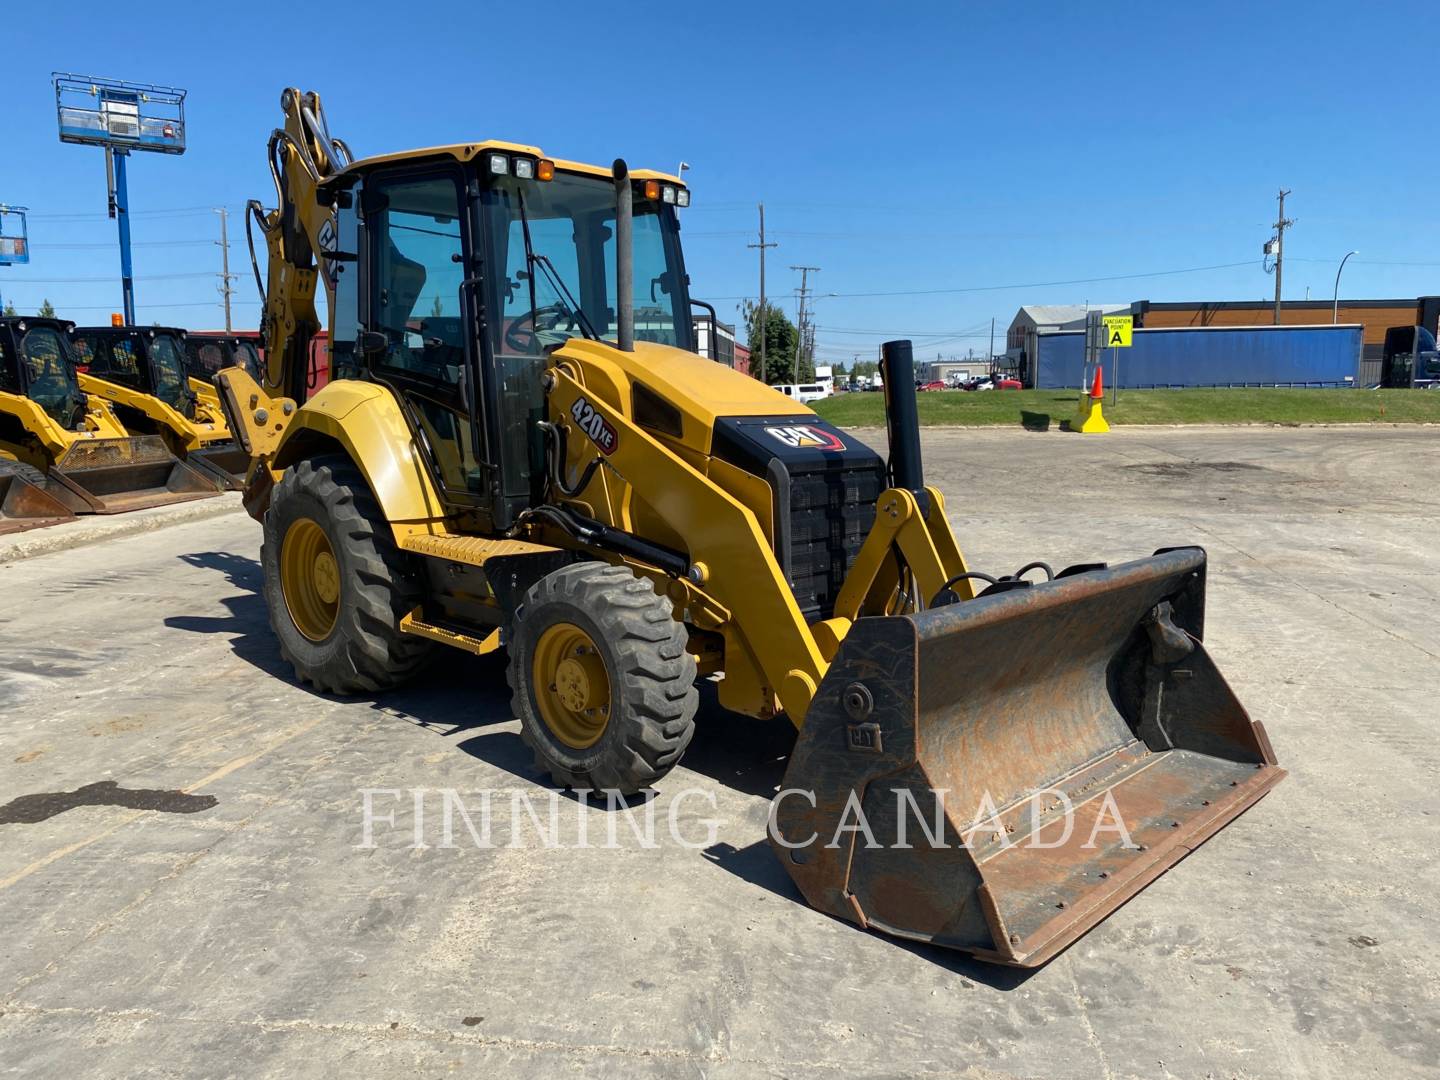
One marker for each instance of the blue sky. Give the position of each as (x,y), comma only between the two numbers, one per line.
(940,153)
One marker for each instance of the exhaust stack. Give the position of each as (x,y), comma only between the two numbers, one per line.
(624,259)
(902,417)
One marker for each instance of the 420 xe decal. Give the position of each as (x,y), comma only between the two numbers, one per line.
(594,425)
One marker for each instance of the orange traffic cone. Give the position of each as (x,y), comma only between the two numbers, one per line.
(1094,421)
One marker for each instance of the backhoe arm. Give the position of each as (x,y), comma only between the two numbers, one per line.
(302,156)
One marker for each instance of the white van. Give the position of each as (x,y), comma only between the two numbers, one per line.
(805,393)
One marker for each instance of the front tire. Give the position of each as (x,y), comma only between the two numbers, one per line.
(336,584)
(603,683)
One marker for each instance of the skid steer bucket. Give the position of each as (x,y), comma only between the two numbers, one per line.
(226,463)
(26,502)
(1025,762)
(115,475)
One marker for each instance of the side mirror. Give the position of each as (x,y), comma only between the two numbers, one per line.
(371,343)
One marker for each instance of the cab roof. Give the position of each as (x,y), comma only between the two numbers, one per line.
(465,152)
(131,330)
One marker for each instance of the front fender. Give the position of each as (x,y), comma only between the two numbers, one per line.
(366,421)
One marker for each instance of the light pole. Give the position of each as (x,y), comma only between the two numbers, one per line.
(1335,311)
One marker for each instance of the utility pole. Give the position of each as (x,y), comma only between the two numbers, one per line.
(1281,224)
(226,290)
(805,272)
(764,312)
(992,342)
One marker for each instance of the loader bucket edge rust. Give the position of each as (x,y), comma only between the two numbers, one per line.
(115,475)
(1093,688)
(27,505)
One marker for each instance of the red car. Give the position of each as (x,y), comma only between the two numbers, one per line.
(1009,384)
(934,384)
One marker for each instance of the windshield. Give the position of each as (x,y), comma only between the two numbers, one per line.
(172,386)
(51,378)
(563,282)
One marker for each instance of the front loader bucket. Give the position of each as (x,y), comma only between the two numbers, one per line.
(1025,762)
(226,463)
(111,476)
(25,504)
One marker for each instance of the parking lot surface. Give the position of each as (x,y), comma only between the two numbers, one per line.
(244,927)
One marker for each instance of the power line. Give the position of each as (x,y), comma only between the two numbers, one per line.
(1035,284)
(185,304)
(179,211)
(90,280)
(101,247)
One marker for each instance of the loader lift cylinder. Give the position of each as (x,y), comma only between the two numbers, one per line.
(902,417)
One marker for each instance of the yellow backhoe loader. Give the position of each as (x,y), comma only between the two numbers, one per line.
(520,448)
(141,372)
(63,452)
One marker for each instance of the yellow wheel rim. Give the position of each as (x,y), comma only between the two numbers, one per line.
(572,687)
(310,579)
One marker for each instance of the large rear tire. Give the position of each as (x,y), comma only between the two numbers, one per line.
(336,584)
(602,681)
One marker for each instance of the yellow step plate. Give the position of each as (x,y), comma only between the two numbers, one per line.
(472,550)
(412,624)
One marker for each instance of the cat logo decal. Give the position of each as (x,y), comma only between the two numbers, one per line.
(806,437)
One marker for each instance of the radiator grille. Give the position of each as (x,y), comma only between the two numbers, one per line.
(831,511)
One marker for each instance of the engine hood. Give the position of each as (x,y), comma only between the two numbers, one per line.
(699,388)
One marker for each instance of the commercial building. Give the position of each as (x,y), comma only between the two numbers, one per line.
(715,340)
(1033,319)
(1376,316)
(1180,356)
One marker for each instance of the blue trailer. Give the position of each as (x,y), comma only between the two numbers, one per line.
(1174,357)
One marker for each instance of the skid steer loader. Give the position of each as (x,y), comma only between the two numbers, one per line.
(63,452)
(141,372)
(520,448)
(208,352)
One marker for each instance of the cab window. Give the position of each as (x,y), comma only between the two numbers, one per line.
(418,278)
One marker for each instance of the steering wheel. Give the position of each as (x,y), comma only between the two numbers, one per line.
(524,339)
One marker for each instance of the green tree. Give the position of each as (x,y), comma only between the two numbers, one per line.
(781,338)
(47,309)
(9,309)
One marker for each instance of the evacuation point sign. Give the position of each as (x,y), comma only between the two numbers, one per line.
(1118,329)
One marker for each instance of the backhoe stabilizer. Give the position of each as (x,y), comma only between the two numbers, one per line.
(999,774)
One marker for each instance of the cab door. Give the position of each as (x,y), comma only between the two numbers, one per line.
(416,298)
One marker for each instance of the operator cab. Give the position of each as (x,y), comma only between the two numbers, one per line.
(150,360)
(207,353)
(457,275)
(36,363)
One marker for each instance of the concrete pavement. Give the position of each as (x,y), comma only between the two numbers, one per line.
(246,931)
